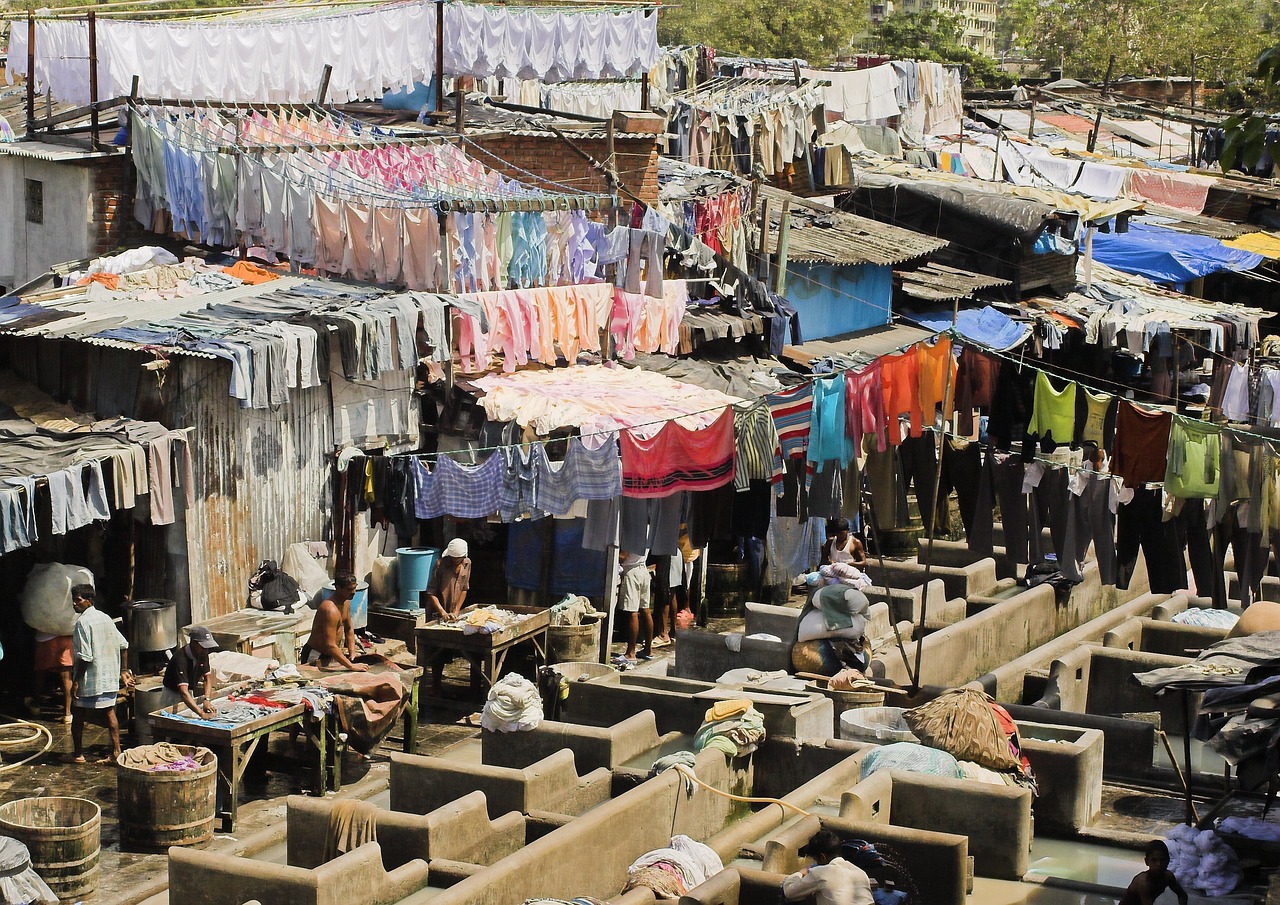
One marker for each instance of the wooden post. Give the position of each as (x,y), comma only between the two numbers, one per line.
(610,599)
(93,80)
(458,103)
(1192,160)
(439,55)
(795,73)
(128,112)
(1097,119)
(933,516)
(31,73)
(325,74)
(762,262)
(644,91)
(1031,127)
(995,167)
(780,262)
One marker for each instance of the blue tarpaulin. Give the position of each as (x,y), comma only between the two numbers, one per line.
(987,326)
(1167,256)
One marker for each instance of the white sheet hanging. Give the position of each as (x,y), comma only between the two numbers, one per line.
(372,50)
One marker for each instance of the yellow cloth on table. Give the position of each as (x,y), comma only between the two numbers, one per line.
(723,710)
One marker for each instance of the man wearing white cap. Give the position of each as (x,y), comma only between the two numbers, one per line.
(450,580)
(447,594)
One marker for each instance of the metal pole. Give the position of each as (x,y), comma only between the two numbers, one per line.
(439,55)
(1097,120)
(31,74)
(93,80)
(933,516)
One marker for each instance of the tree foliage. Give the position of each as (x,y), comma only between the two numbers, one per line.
(937,36)
(1147,37)
(812,30)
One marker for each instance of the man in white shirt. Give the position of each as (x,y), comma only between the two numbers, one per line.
(634,585)
(831,880)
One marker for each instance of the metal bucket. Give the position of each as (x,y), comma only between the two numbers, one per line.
(151,625)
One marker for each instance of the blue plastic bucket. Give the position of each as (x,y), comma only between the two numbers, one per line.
(359,603)
(415,565)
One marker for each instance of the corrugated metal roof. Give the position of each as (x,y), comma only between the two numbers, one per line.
(841,238)
(43,150)
(938,283)
(859,349)
(1192,223)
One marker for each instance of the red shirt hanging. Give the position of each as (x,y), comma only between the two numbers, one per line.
(677,458)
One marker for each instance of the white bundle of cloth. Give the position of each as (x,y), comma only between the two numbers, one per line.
(513,705)
(19,883)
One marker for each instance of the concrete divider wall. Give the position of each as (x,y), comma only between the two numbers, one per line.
(590,855)
(989,640)
(420,784)
(997,819)
(592,746)
(679,705)
(458,831)
(1008,682)
(1067,763)
(937,862)
(1157,636)
(976,577)
(356,878)
(736,886)
(1099,681)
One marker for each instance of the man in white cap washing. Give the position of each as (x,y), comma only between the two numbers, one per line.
(446,593)
(450,580)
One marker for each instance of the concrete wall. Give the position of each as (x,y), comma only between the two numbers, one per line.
(28,249)
(1099,680)
(590,855)
(422,784)
(458,831)
(356,878)
(985,642)
(1068,767)
(938,862)
(592,746)
(679,705)
(1009,681)
(997,819)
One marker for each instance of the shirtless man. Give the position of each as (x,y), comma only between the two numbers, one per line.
(332,625)
(1151,883)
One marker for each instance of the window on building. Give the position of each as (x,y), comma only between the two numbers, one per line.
(35,201)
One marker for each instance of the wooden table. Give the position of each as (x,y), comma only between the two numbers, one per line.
(410,677)
(234,745)
(486,653)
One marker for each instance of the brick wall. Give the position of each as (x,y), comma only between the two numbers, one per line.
(551,158)
(113,223)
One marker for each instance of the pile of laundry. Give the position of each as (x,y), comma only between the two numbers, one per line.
(1201,861)
(485,620)
(673,871)
(513,705)
(733,727)
(164,757)
(574,609)
(19,883)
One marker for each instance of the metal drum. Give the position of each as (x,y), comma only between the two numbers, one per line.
(151,625)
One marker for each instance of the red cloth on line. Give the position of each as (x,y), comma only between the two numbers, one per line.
(677,458)
(1142,445)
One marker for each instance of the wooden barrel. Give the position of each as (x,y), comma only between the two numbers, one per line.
(727,588)
(63,836)
(167,807)
(573,643)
